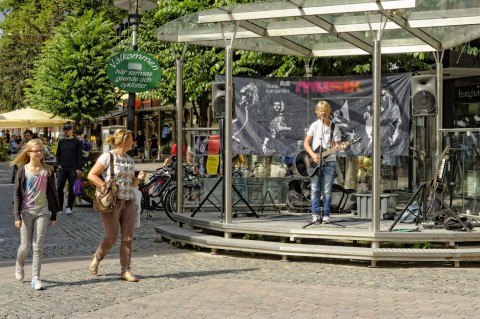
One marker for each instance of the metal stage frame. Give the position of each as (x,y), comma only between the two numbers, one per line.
(324,28)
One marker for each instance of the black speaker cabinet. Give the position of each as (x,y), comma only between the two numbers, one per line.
(424,95)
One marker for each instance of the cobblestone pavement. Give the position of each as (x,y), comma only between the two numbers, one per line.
(188,283)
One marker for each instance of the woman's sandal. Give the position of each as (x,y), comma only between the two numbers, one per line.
(94,265)
(128,276)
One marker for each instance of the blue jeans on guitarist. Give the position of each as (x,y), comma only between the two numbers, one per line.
(327,174)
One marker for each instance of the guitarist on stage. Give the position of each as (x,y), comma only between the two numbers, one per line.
(322,135)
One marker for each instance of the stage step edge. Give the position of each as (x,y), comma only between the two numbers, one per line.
(197,238)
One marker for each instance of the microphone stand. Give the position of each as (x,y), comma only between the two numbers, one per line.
(320,176)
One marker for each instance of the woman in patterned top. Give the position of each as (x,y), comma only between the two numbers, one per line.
(35,206)
(123,215)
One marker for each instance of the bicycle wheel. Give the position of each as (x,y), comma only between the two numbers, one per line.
(191,195)
(170,202)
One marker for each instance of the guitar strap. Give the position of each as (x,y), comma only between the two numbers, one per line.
(332,128)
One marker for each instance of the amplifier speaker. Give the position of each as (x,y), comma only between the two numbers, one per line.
(424,96)
(218,99)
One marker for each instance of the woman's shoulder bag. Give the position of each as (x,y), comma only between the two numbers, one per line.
(106,196)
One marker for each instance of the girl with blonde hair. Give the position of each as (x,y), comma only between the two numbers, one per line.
(123,215)
(35,206)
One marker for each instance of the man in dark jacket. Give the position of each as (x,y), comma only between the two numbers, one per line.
(70,162)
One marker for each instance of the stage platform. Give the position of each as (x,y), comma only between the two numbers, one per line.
(345,237)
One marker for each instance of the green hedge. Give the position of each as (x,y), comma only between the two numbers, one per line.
(4,153)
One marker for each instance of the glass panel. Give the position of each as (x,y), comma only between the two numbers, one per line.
(288,26)
(443,24)
(258,44)
(454,35)
(422,5)
(462,174)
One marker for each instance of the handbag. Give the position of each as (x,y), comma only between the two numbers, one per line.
(78,186)
(106,196)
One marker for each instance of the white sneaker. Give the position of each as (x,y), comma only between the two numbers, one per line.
(68,211)
(326,219)
(315,218)
(37,283)
(19,272)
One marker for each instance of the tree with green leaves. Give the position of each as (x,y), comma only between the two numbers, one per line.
(70,75)
(27,25)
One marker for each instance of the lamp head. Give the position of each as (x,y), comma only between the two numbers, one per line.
(135,6)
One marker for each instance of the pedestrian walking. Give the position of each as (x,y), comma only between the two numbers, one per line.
(140,142)
(28,135)
(14,145)
(153,146)
(69,165)
(35,207)
(123,215)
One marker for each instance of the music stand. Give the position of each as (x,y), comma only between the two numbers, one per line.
(241,198)
(207,197)
(264,200)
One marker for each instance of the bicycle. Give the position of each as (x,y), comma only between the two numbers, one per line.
(191,185)
(246,172)
(153,192)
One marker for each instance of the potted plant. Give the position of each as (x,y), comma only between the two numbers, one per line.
(88,188)
(364,184)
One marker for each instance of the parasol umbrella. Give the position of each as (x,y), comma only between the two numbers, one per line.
(28,117)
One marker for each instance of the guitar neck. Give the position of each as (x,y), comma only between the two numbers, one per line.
(333,150)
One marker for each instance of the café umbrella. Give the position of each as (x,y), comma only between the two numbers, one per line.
(28,118)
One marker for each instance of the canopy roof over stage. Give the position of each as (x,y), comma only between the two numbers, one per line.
(316,28)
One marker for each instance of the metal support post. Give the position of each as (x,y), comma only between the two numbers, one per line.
(227,164)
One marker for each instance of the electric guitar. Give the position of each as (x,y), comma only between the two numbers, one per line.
(306,165)
(438,181)
(435,198)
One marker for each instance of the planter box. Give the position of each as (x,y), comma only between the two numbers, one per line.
(364,204)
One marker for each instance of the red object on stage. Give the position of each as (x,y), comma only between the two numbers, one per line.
(213,144)
(174,150)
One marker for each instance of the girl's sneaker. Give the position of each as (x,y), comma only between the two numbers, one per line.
(19,272)
(37,283)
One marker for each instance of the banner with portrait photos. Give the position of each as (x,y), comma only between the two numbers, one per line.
(274,114)
(206,155)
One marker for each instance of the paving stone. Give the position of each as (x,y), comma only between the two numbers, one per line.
(182,283)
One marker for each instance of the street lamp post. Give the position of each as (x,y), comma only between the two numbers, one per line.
(135,9)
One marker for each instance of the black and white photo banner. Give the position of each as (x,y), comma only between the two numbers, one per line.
(273,114)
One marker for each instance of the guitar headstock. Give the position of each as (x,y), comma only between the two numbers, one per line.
(355,139)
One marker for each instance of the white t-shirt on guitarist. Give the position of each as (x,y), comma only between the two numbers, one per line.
(321,133)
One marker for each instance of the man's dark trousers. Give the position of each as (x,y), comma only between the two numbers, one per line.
(64,174)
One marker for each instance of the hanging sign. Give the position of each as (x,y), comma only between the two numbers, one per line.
(212,164)
(134,71)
